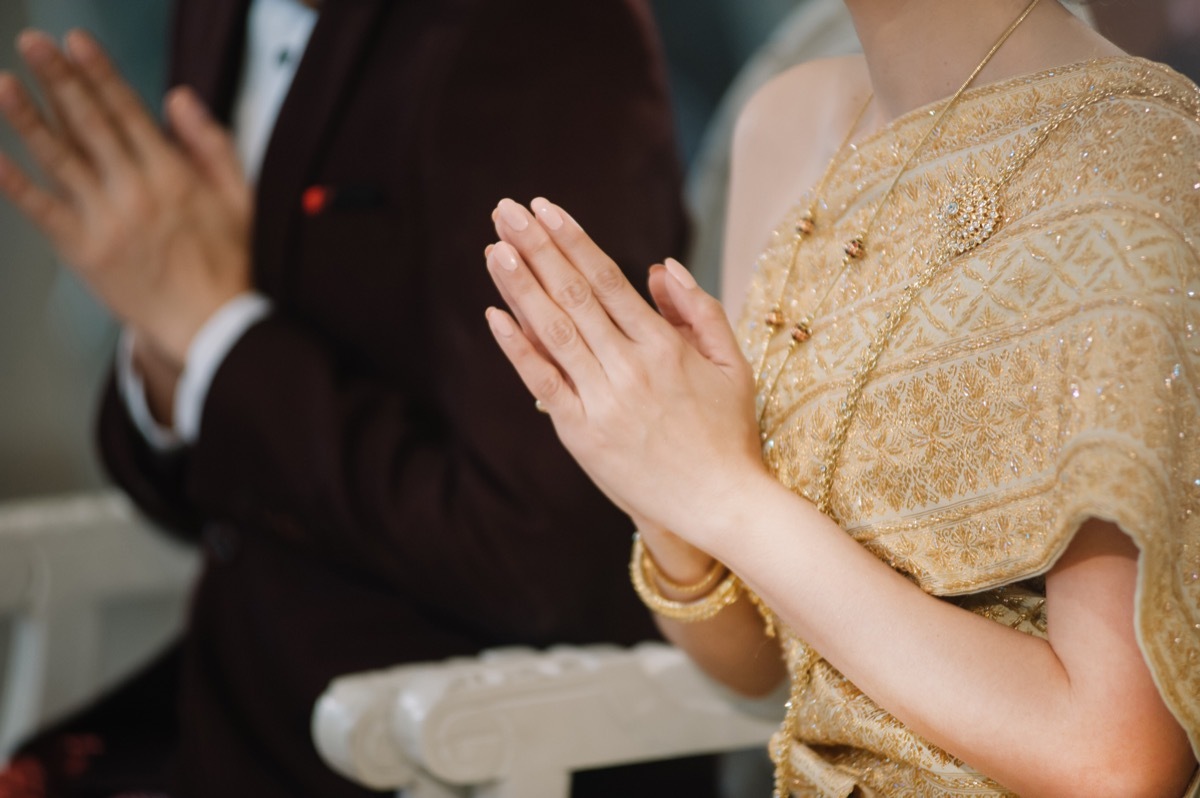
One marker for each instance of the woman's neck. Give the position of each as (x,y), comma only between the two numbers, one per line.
(920,51)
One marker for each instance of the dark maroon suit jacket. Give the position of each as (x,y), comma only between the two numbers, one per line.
(372,485)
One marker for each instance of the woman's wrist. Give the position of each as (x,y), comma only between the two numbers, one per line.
(695,602)
(680,565)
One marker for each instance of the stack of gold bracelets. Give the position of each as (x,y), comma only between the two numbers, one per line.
(719,588)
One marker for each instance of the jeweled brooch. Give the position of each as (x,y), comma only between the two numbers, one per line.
(970,215)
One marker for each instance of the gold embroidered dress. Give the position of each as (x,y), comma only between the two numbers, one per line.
(1049,375)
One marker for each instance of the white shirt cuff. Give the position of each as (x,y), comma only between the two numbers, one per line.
(206,353)
(133,393)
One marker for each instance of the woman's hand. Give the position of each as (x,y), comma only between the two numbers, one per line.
(658,409)
(158,230)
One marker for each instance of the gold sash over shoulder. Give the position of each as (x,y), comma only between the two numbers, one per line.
(1048,376)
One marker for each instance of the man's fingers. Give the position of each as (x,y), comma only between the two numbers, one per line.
(209,144)
(86,120)
(133,122)
(59,161)
(51,215)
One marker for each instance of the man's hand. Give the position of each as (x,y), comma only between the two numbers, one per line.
(159,230)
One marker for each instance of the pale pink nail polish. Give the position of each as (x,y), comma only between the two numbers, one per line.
(681,275)
(506,256)
(513,215)
(548,213)
(499,323)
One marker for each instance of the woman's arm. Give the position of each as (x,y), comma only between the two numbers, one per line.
(1075,714)
(731,647)
(666,427)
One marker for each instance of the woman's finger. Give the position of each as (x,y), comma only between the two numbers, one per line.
(526,327)
(540,376)
(660,293)
(86,120)
(566,284)
(711,333)
(554,328)
(619,297)
(57,160)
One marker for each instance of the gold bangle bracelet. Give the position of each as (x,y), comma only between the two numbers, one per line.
(654,574)
(721,596)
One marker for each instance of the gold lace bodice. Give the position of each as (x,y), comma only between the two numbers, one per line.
(1048,376)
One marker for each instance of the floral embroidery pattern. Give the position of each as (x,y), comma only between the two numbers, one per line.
(1050,375)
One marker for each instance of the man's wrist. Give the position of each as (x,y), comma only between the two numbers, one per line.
(207,351)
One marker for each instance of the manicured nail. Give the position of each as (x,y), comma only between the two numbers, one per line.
(681,275)
(513,215)
(487,251)
(499,323)
(548,214)
(505,255)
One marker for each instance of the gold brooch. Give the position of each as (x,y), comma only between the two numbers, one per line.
(969,216)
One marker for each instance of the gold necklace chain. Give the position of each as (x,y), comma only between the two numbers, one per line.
(949,246)
(976,218)
(856,248)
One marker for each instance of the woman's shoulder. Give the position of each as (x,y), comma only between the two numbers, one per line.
(806,99)
(1136,137)
(786,133)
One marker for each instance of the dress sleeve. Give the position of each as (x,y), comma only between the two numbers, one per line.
(1121,370)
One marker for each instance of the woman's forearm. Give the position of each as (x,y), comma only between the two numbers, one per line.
(731,647)
(1075,714)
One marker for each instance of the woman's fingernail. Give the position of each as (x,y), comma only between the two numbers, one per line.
(487,251)
(513,215)
(681,275)
(505,256)
(548,214)
(499,323)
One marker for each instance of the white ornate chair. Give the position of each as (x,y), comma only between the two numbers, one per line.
(514,723)
(87,592)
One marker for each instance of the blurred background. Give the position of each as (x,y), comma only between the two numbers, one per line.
(55,343)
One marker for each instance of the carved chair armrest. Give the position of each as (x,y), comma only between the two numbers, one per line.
(517,722)
(64,563)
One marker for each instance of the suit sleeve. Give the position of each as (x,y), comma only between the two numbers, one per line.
(444,481)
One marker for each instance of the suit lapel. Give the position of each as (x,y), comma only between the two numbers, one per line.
(208,45)
(335,51)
